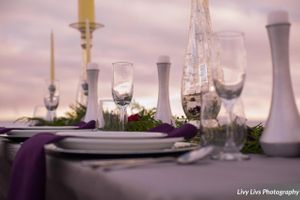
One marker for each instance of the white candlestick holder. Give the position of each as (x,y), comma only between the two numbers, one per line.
(281,136)
(163,111)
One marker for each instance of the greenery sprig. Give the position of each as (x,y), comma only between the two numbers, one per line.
(252,144)
(145,122)
(142,121)
(71,118)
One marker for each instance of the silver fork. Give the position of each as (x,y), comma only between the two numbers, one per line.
(117,164)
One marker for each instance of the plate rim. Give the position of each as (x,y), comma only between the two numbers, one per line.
(41,127)
(53,148)
(110,134)
(7,136)
(124,141)
(120,144)
(29,133)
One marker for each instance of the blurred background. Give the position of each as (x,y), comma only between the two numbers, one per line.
(137,31)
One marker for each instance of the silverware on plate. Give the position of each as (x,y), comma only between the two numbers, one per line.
(117,164)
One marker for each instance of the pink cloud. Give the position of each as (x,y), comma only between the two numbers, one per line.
(135,30)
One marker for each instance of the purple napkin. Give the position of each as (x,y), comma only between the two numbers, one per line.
(87,125)
(187,131)
(163,128)
(28,178)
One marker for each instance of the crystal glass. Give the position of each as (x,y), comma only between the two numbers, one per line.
(86,29)
(110,115)
(40,111)
(122,88)
(82,91)
(215,124)
(196,75)
(229,72)
(51,99)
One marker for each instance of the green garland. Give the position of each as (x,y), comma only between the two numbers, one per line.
(252,144)
(145,122)
(72,117)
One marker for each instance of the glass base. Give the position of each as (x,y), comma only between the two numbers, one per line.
(230,156)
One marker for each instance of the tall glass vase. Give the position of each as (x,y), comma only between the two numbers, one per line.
(196,75)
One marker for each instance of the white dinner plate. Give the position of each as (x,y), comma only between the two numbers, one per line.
(30,133)
(59,151)
(117,144)
(42,127)
(113,134)
(14,138)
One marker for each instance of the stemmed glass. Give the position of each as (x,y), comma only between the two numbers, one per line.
(229,73)
(51,98)
(122,88)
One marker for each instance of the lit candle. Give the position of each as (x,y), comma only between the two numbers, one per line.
(86,10)
(52,57)
(88,41)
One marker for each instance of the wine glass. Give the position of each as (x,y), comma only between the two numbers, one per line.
(122,88)
(82,91)
(111,115)
(51,99)
(214,124)
(229,73)
(39,111)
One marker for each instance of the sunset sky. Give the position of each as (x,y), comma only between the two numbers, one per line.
(137,31)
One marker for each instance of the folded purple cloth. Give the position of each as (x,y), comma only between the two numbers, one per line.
(86,125)
(187,131)
(163,128)
(28,178)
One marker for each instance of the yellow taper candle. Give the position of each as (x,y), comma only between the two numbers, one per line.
(88,41)
(86,10)
(52,76)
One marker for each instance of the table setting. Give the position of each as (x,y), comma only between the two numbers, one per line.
(123,156)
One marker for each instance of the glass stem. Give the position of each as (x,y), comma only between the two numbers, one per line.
(123,117)
(51,115)
(230,145)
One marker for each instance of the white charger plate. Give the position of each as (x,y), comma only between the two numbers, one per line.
(54,149)
(118,145)
(30,133)
(42,127)
(113,134)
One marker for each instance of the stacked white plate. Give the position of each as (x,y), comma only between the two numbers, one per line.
(112,141)
(29,131)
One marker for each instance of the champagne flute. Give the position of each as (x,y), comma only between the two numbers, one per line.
(229,73)
(122,88)
(213,128)
(51,99)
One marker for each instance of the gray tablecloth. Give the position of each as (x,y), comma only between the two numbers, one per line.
(70,179)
